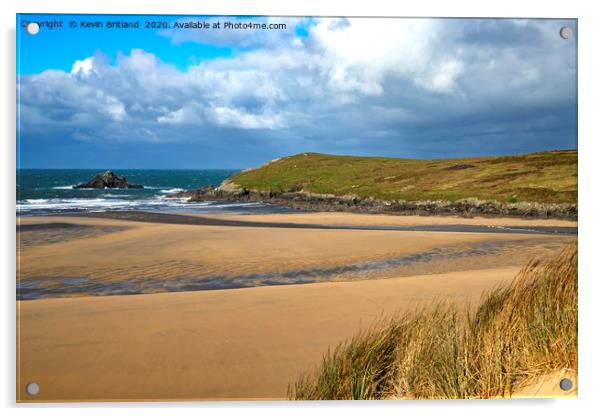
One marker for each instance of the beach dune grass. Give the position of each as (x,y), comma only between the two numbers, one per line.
(516,333)
(544,177)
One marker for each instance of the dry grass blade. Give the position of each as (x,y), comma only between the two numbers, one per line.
(526,329)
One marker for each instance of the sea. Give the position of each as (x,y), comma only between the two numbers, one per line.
(50,191)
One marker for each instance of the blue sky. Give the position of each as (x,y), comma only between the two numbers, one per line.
(217,98)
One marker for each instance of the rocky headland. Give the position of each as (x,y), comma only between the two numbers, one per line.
(300,199)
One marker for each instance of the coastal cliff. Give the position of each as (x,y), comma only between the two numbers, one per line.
(536,185)
(231,192)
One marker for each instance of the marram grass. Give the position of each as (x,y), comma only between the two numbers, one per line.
(517,332)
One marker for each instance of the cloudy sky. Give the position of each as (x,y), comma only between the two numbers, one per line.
(219,98)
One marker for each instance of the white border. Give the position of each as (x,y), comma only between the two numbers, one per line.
(590,153)
(461,8)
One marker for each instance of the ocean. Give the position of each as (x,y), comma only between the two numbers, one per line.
(50,191)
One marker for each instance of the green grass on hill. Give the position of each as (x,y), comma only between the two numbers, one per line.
(517,333)
(547,177)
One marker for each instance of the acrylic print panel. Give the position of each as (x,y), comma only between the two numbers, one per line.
(222,207)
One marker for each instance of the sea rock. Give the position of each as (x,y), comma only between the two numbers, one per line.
(107,179)
(230,188)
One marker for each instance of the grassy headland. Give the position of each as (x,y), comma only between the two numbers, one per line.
(544,177)
(518,332)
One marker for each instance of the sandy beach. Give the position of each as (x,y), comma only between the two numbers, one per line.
(234,344)
(346,218)
(251,335)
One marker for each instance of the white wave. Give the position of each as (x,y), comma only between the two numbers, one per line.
(70,203)
(71,188)
(37,201)
(114,202)
(171,191)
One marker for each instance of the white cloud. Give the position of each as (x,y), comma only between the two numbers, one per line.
(443,78)
(233,117)
(363,52)
(190,114)
(114,108)
(84,67)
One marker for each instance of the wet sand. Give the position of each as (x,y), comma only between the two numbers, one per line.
(346,221)
(78,256)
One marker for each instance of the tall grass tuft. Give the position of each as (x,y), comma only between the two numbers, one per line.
(520,331)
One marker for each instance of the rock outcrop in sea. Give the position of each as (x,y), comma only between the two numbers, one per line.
(107,179)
